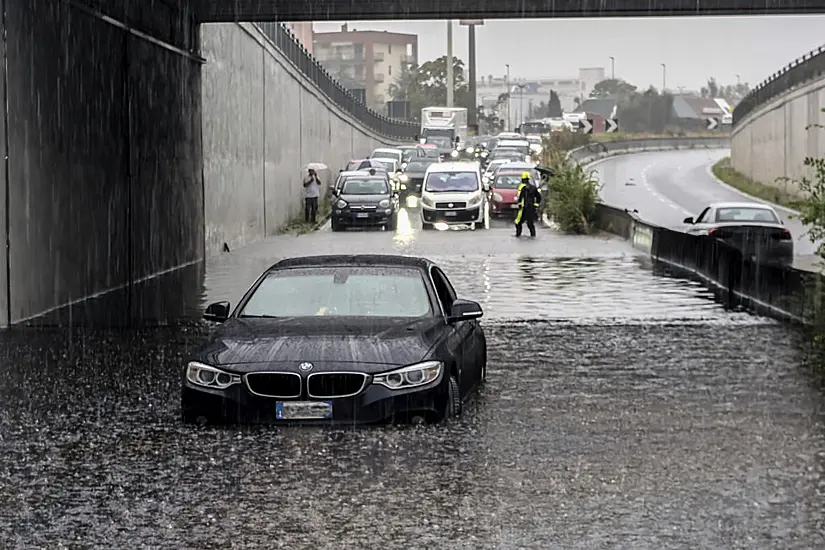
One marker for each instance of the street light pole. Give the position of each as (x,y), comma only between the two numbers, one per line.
(664,77)
(450,76)
(472,83)
(612,68)
(507,83)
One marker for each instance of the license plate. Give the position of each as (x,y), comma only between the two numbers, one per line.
(362,215)
(303,410)
(450,213)
(513,206)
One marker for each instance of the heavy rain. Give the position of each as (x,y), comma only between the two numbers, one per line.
(161,156)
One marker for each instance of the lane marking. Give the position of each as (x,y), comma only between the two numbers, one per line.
(664,200)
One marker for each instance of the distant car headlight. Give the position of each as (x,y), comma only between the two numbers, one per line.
(484,154)
(341,203)
(497,197)
(454,154)
(210,377)
(470,150)
(384,203)
(410,377)
(404,178)
(403,186)
(403,165)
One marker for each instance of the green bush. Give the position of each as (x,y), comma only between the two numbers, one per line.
(565,140)
(573,194)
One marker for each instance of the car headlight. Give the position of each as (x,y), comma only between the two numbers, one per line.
(403,165)
(474,200)
(403,186)
(426,201)
(470,150)
(497,197)
(384,203)
(454,154)
(410,377)
(210,377)
(341,203)
(484,154)
(404,178)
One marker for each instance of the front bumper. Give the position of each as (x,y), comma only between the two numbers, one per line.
(350,218)
(376,404)
(504,207)
(468,215)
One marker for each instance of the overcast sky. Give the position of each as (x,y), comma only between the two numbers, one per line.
(692,48)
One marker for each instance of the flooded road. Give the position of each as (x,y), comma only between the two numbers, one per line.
(642,415)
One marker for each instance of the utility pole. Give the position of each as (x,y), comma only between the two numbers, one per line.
(664,77)
(507,83)
(612,68)
(473,106)
(450,76)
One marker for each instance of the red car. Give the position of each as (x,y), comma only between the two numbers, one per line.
(504,191)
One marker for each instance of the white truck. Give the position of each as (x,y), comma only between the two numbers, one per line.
(441,125)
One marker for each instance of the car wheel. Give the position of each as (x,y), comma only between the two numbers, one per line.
(335,226)
(453,407)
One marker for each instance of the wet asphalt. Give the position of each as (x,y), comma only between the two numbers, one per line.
(640,415)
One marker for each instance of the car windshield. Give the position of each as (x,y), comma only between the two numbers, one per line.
(507,154)
(509,181)
(340,292)
(379,154)
(388,164)
(746,214)
(440,142)
(371,186)
(419,165)
(455,182)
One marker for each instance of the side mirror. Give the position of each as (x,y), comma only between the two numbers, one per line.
(464,310)
(217,312)
(688,221)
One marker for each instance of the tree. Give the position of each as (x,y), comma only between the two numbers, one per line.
(554,109)
(612,89)
(732,93)
(426,85)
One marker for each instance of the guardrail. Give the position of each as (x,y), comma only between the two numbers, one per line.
(596,151)
(804,69)
(738,281)
(292,48)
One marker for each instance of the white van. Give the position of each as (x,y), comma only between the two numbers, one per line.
(452,193)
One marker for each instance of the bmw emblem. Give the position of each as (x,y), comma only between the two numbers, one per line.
(450,205)
(305,366)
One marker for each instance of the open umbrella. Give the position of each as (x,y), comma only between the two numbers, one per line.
(317,166)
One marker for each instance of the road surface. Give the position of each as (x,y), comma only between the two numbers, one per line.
(666,187)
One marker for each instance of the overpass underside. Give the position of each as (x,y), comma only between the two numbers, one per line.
(102,185)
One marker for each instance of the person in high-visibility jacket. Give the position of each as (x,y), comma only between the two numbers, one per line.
(529,201)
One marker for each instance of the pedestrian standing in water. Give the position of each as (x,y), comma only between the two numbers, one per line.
(312,190)
(529,203)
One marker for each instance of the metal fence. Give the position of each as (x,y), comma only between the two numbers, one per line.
(802,70)
(290,46)
(598,150)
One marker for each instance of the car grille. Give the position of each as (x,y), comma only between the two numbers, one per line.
(274,384)
(362,207)
(335,384)
(451,205)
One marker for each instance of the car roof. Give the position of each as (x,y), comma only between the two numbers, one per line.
(371,260)
(759,205)
(466,166)
(355,173)
(387,150)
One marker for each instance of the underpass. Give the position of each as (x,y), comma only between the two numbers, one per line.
(622,409)
(666,187)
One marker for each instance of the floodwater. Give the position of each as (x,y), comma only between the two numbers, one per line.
(622,409)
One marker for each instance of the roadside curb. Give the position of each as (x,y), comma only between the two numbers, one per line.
(709,170)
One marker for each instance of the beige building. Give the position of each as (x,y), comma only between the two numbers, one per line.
(366,60)
(303,31)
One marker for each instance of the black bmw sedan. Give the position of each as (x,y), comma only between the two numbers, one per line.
(356,339)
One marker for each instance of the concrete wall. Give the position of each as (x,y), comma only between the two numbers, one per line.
(262,122)
(773,141)
(104,155)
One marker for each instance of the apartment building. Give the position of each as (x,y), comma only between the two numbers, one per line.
(527,93)
(366,60)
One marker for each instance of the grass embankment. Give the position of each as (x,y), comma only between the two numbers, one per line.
(298,226)
(776,195)
(620,136)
